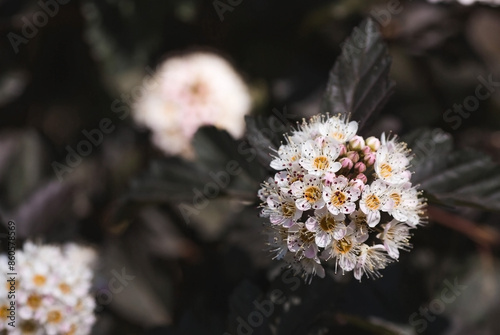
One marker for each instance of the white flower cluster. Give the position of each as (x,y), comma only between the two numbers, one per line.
(340,198)
(188,92)
(51,291)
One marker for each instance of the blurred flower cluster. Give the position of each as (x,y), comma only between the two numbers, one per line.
(340,197)
(52,291)
(191,91)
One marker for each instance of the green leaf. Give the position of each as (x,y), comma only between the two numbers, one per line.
(359,83)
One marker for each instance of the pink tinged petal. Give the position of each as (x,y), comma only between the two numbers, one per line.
(311,251)
(372,218)
(362,238)
(297,215)
(322,239)
(320,271)
(348,208)
(319,204)
(288,223)
(392,249)
(332,209)
(339,233)
(311,224)
(358,272)
(276,219)
(354,192)
(329,176)
(303,204)
(347,263)
(297,188)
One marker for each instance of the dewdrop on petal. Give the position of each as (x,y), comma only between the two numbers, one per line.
(340,200)
(188,92)
(52,290)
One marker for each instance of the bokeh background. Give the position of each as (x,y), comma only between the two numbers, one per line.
(199,277)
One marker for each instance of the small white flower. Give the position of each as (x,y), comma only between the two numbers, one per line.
(396,235)
(372,201)
(288,156)
(308,193)
(404,204)
(362,229)
(370,260)
(319,156)
(308,268)
(340,197)
(302,241)
(344,251)
(281,210)
(392,161)
(326,227)
(278,241)
(338,129)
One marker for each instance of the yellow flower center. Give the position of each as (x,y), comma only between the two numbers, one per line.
(396,197)
(338,198)
(28,327)
(327,223)
(34,301)
(373,202)
(54,317)
(385,170)
(338,136)
(3,312)
(65,288)
(39,280)
(312,194)
(321,163)
(288,209)
(306,236)
(343,246)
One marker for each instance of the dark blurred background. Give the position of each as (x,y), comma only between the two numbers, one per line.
(61,75)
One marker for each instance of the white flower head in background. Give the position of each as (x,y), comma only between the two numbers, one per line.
(52,290)
(191,91)
(340,199)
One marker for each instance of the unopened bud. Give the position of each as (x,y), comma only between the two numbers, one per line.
(353,156)
(343,150)
(357,143)
(369,159)
(346,163)
(373,143)
(362,177)
(360,167)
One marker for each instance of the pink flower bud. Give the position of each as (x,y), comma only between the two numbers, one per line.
(369,159)
(366,150)
(353,156)
(343,150)
(346,163)
(362,177)
(373,143)
(360,167)
(357,143)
